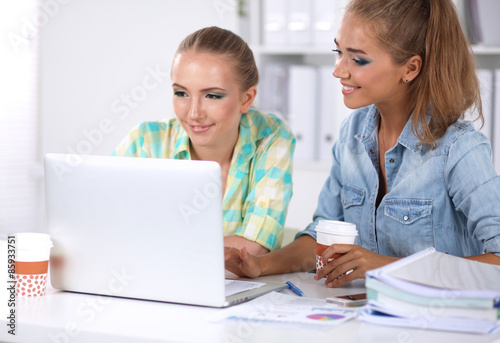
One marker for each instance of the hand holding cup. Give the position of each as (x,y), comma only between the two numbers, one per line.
(332,232)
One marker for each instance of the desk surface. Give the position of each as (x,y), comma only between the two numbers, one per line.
(72,317)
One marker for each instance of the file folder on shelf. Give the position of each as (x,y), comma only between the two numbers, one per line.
(332,112)
(326,18)
(299,22)
(485,77)
(327,130)
(274,30)
(302,100)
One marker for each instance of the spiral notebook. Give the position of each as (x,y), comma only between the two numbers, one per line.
(433,290)
(428,272)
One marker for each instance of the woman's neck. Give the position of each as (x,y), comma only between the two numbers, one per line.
(393,119)
(222,156)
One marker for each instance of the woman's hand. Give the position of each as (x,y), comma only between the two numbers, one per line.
(352,257)
(241,262)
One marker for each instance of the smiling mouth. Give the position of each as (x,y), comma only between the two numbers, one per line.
(200,128)
(349,89)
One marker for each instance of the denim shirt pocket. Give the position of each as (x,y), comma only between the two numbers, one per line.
(408,211)
(352,201)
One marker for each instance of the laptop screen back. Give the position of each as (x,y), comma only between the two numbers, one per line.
(136,227)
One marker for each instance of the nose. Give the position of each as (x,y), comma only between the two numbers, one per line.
(340,71)
(195,110)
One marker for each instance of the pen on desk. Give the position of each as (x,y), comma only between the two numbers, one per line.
(294,288)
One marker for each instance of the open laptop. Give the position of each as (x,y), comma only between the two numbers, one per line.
(140,228)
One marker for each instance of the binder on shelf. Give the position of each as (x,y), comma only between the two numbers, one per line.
(274,95)
(326,18)
(488,21)
(472,21)
(302,100)
(332,112)
(274,29)
(434,290)
(341,111)
(325,22)
(327,130)
(485,77)
(299,22)
(482,21)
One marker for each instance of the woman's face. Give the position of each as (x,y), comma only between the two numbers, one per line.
(207,99)
(366,71)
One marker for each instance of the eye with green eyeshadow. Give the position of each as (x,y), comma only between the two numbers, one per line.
(215,96)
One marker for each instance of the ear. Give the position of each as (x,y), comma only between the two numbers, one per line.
(412,68)
(247,99)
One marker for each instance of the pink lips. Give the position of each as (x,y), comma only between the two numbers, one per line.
(348,90)
(200,128)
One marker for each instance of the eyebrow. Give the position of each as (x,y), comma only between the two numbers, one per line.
(355,51)
(211,89)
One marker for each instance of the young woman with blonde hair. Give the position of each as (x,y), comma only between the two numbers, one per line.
(214,79)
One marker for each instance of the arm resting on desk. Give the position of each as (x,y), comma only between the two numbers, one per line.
(299,255)
(239,242)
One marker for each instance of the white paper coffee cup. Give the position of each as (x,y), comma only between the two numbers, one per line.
(330,232)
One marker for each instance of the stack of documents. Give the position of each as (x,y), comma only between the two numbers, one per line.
(433,290)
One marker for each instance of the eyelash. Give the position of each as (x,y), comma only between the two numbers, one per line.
(182,94)
(358,61)
(215,96)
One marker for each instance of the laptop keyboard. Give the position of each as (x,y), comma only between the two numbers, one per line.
(238,286)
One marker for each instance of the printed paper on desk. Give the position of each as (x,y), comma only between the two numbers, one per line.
(282,308)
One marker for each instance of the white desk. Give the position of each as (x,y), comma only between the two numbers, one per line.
(70,317)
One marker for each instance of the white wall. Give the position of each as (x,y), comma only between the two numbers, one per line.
(307,183)
(105,66)
(97,53)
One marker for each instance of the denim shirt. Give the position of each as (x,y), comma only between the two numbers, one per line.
(447,198)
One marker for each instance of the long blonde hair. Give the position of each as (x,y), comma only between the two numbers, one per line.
(447,85)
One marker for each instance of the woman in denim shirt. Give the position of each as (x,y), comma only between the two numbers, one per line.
(407,170)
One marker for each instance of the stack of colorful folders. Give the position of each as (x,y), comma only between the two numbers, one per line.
(437,291)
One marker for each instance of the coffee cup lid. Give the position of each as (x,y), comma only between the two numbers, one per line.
(338,232)
(336,228)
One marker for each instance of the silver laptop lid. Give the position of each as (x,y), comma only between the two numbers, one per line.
(136,227)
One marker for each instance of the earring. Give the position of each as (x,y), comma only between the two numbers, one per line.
(406,80)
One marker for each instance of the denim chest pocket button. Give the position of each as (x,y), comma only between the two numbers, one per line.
(408,211)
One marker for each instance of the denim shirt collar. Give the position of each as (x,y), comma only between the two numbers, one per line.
(406,139)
